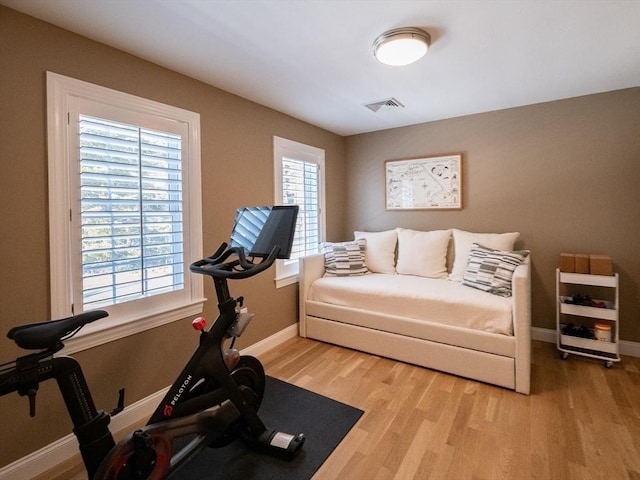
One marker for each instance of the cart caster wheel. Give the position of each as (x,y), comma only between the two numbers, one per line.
(564,355)
(608,364)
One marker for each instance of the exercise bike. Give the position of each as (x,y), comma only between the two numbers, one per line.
(212,402)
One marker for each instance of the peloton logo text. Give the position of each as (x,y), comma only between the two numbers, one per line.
(168,409)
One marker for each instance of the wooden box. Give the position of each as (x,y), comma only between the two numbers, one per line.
(582,263)
(567,262)
(600,265)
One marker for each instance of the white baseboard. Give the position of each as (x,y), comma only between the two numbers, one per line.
(543,334)
(66,448)
(631,349)
(273,341)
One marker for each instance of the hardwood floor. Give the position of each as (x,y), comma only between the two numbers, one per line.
(581,421)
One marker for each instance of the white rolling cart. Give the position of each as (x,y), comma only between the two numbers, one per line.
(605,317)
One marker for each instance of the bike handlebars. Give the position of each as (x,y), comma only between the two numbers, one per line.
(217,265)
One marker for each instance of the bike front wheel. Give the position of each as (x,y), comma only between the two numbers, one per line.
(250,378)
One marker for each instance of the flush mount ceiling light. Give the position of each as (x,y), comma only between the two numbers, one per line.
(401,46)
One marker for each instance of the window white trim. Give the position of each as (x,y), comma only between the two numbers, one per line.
(61,93)
(287,270)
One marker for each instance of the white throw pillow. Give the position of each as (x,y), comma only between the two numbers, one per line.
(423,253)
(462,242)
(380,254)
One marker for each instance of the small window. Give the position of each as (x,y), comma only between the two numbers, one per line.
(299,173)
(125,214)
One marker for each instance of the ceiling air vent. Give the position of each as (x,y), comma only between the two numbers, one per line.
(387,104)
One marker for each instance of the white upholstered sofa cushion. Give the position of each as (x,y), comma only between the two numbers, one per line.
(423,253)
(436,300)
(380,252)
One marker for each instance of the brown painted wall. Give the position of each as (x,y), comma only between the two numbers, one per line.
(237,168)
(564,174)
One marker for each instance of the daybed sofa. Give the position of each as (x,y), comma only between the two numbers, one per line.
(450,300)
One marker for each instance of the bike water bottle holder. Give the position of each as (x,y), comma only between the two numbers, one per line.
(240,324)
(28,375)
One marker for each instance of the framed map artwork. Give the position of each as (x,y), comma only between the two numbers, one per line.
(428,183)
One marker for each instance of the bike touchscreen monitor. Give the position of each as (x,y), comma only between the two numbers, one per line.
(259,229)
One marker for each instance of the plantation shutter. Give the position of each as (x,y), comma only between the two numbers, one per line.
(131,212)
(300,182)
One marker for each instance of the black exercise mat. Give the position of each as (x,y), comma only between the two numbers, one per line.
(287,408)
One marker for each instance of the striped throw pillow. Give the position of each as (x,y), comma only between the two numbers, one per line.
(491,270)
(344,259)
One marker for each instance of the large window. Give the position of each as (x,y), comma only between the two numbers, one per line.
(125,215)
(299,173)
(131,225)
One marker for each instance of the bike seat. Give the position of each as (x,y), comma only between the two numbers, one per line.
(43,335)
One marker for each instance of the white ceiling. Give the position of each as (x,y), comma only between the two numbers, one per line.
(313,59)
